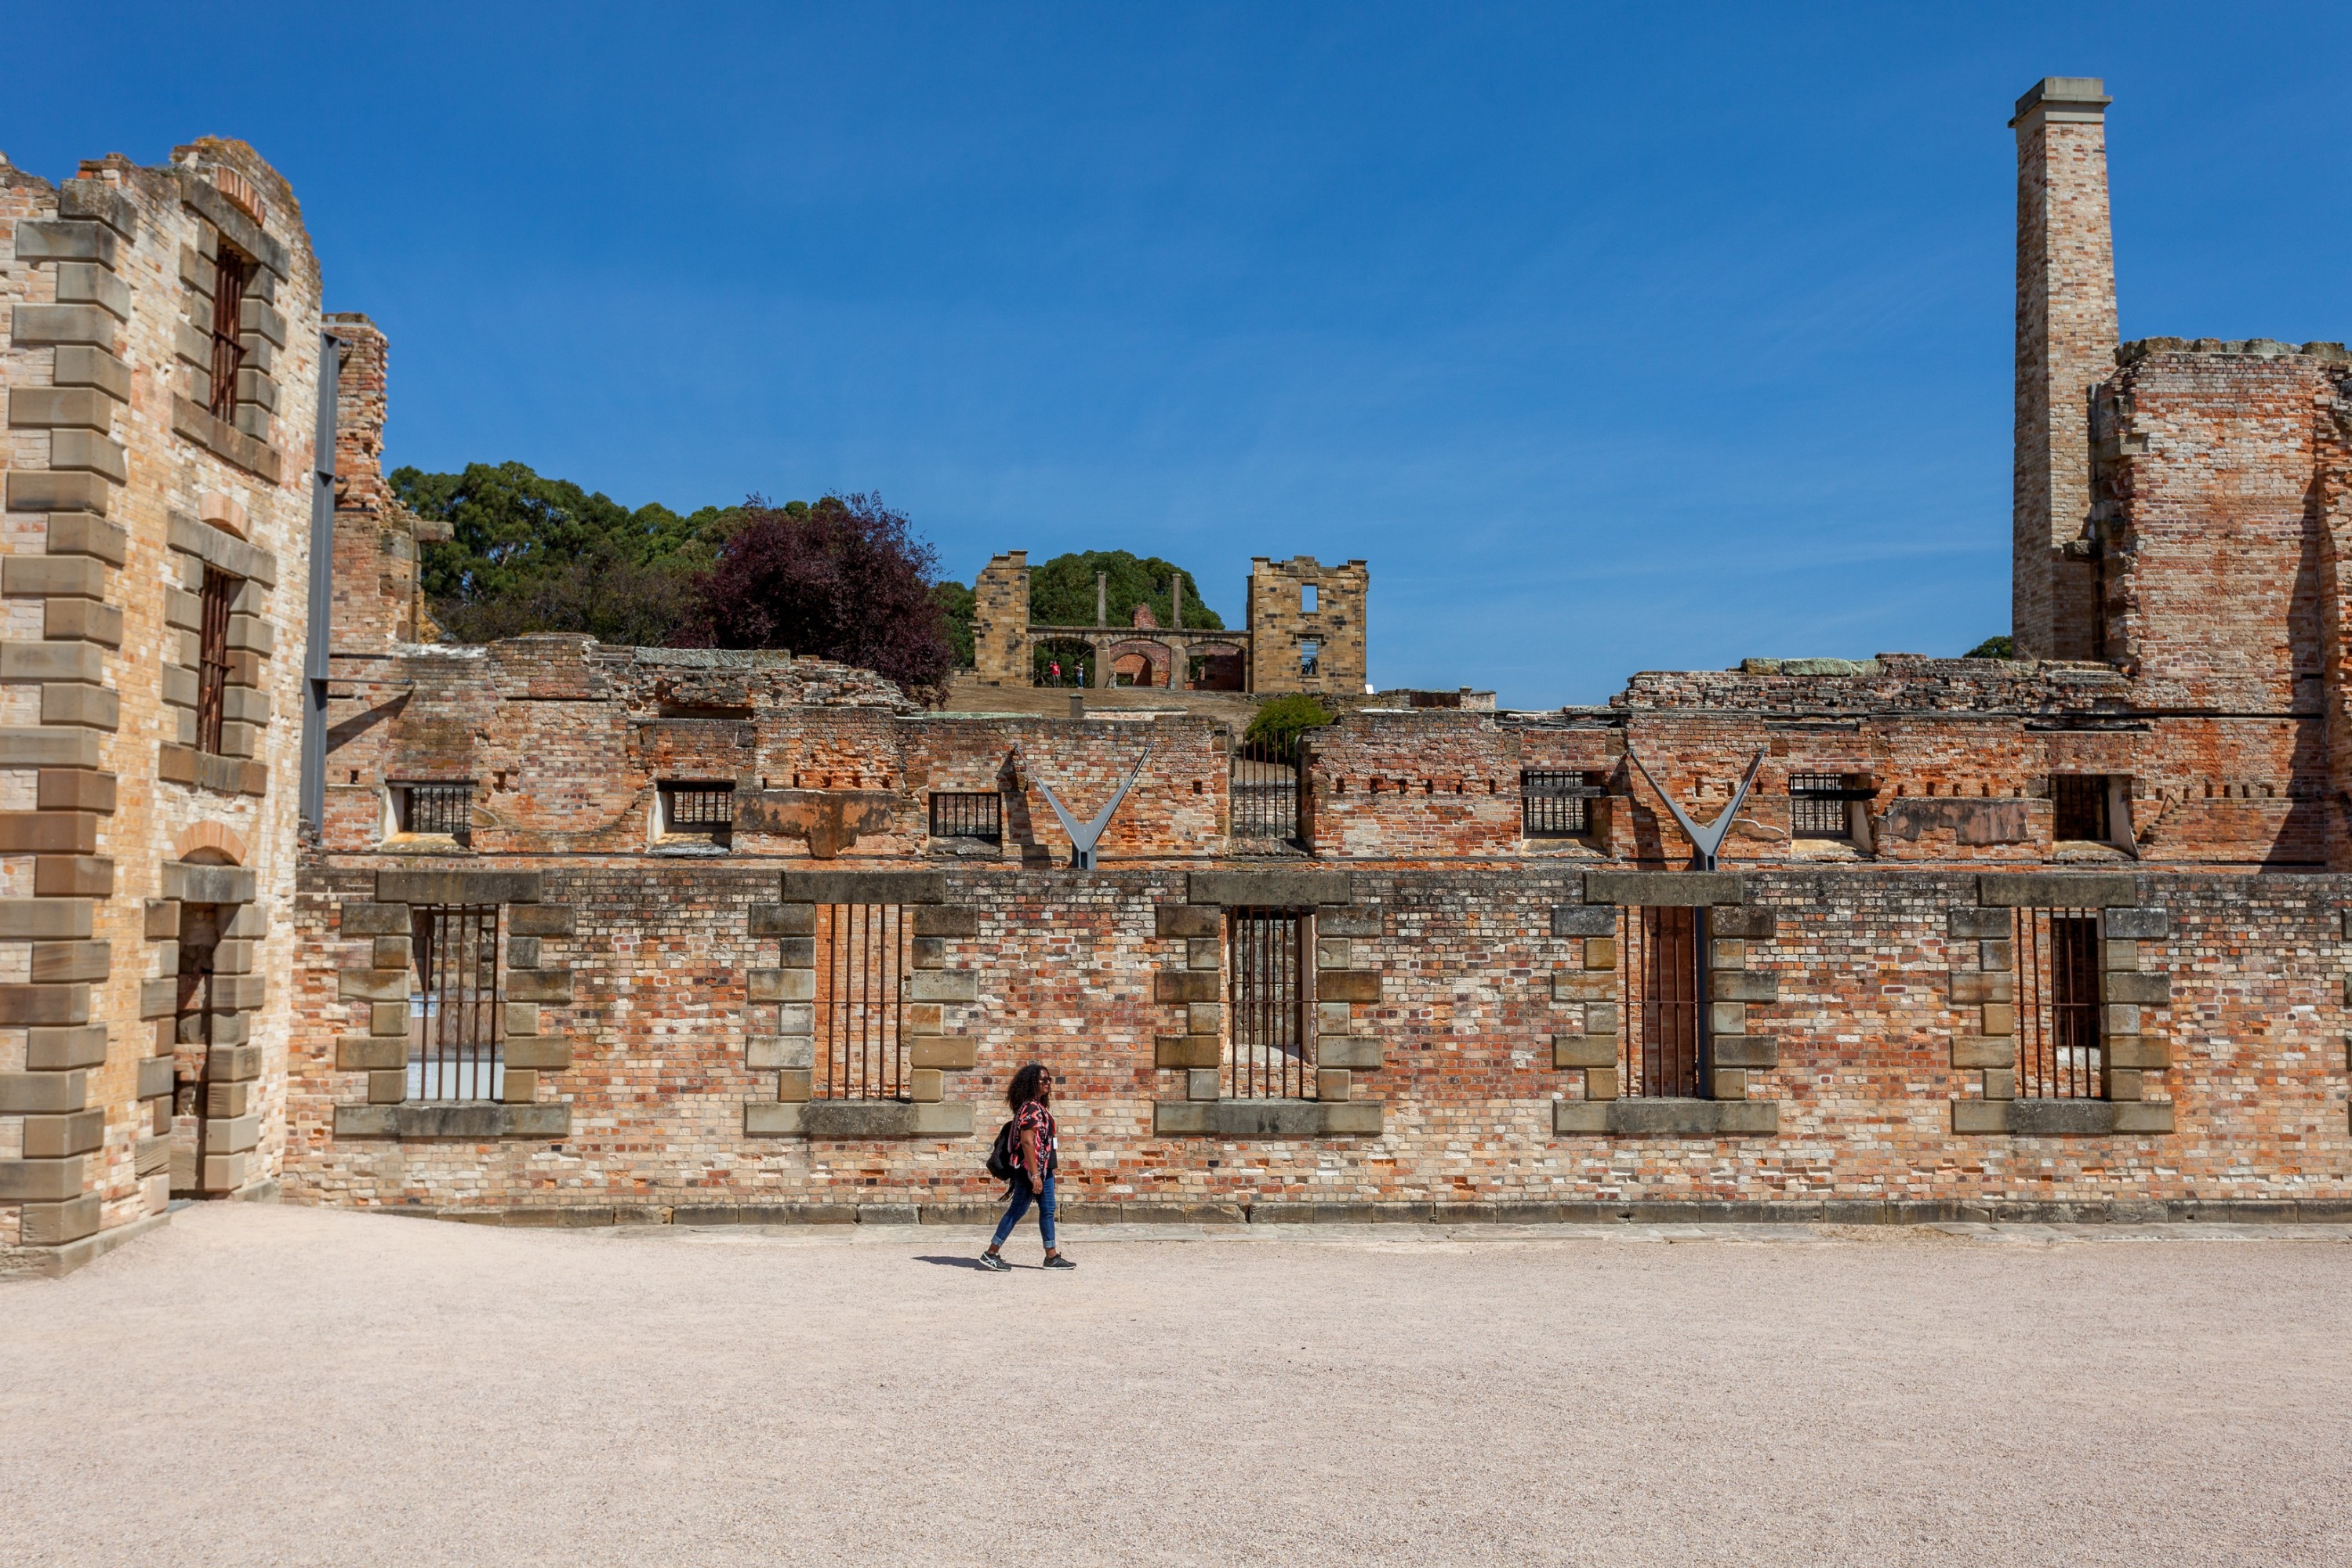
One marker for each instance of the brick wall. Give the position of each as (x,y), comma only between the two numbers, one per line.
(1861,1034)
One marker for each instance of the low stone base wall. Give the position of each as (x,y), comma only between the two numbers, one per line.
(1835,1211)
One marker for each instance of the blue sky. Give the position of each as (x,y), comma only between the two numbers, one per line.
(1613,337)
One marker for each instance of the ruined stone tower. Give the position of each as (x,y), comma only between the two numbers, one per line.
(2066,339)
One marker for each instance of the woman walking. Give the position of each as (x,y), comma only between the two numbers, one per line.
(1036,1153)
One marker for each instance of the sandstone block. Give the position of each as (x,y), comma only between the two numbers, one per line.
(544,1053)
(943,986)
(945,1053)
(1357,1052)
(1186,1051)
(1187,920)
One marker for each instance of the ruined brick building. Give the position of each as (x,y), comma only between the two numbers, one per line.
(582,933)
(1303,631)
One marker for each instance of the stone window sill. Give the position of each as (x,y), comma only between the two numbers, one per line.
(692,850)
(858,1118)
(461,1119)
(1644,1117)
(2061,1118)
(1265,1119)
(425,844)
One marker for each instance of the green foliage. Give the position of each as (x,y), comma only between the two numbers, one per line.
(540,555)
(1062,591)
(2002,647)
(957,600)
(1280,721)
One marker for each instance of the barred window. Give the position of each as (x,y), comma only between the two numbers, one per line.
(1666,1039)
(436,807)
(1819,805)
(956,814)
(2078,806)
(1272,990)
(456,1049)
(1263,785)
(861,982)
(211,656)
(231,274)
(2060,1041)
(704,810)
(1556,804)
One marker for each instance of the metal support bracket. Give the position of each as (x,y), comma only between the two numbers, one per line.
(1707,841)
(1082,839)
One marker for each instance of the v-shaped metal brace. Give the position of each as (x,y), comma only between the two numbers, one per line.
(1708,840)
(1082,839)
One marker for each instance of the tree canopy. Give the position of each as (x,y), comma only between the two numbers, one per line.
(1062,591)
(845,579)
(2000,647)
(530,555)
(1280,720)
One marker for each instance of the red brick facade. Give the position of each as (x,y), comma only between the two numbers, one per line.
(2036,935)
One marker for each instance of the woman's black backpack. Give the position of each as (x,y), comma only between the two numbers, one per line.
(1001,1154)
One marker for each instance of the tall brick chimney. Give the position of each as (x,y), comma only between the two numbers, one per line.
(2065,346)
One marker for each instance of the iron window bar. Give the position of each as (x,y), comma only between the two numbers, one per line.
(456,1044)
(231,273)
(1553,803)
(960,814)
(1263,787)
(1666,1043)
(219,592)
(699,810)
(438,808)
(1818,805)
(1271,993)
(861,951)
(2061,1049)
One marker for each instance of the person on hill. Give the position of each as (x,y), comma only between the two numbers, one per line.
(1037,1146)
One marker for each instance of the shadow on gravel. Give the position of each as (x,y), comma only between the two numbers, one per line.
(971,1263)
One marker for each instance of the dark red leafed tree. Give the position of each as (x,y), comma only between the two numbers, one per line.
(844,579)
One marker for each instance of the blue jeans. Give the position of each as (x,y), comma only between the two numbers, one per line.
(1022,1198)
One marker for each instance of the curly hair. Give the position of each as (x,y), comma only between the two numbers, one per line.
(1032,1082)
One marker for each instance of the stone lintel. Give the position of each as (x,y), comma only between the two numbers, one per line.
(1270,889)
(864,887)
(1663,890)
(2056,890)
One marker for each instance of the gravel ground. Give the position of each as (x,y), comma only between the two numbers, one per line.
(277,1384)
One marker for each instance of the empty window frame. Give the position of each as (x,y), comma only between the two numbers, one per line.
(960,814)
(704,810)
(457,1047)
(2078,806)
(436,807)
(1308,597)
(219,592)
(1310,657)
(1272,1002)
(1666,1034)
(2059,1046)
(231,274)
(1821,805)
(1556,803)
(861,982)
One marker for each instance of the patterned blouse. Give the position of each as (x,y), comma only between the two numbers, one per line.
(1034,1118)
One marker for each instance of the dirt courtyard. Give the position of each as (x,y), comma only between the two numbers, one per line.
(423,1393)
